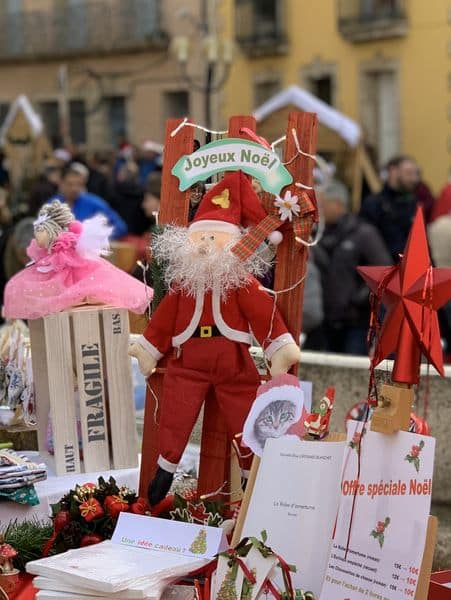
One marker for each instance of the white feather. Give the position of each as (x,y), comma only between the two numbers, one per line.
(94,238)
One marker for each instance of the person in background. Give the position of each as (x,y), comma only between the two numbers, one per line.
(313,309)
(392,210)
(127,199)
(196,193)
(439,235)
(14,242)
(347,243)
(126,153)
(84,205)
(425,198)
(99,176)
(61,157)
(44,187)
(4,173)
(151,202)
(149,160)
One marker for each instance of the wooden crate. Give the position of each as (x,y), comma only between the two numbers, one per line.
(86,349)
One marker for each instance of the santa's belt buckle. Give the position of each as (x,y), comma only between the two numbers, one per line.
(206,331)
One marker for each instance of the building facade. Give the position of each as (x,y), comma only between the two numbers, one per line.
(119,68)
(104,66)
(385,63)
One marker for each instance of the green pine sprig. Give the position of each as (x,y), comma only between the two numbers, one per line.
(28,538)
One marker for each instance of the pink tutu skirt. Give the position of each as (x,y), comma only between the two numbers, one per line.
(40,290)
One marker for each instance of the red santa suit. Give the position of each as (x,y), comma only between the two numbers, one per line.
(211,333)
(211,337)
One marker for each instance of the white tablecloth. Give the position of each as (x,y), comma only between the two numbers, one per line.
(53,488)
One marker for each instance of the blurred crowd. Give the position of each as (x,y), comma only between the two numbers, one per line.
(125,187)
(375,236)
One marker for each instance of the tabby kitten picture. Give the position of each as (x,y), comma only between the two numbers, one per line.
(274,420)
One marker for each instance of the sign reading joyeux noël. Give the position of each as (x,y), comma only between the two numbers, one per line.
(233,154)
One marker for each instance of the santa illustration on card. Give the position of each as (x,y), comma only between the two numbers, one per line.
(214,307)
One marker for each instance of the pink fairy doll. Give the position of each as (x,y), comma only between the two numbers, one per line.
(67,269)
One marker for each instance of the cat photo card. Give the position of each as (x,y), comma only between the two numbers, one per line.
(277,411)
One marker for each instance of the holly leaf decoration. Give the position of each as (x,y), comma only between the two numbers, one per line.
(198,511)
(179,501)
(416,464)
(381,539)
(214,520)
(181,514)
(55,508)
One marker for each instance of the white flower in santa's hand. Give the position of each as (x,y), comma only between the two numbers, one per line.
(288,206)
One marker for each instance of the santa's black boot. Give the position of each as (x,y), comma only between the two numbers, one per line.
(159,486)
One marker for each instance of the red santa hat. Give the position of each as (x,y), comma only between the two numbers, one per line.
(282,387)
(228,206)
(329,397)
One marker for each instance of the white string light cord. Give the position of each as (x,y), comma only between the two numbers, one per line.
(157,403)
(185,123)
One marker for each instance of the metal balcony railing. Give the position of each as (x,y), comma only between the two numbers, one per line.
(260,26)
(89,27)
(366,20)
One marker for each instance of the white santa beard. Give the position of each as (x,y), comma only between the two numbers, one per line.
(189,270)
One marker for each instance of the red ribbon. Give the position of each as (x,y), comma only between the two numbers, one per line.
(286,574)
(232,553)
(426,298)
(270,587)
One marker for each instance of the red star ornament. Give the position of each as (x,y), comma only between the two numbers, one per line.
(412,292)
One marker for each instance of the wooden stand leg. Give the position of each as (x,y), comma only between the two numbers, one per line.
(150,431)
(428,556)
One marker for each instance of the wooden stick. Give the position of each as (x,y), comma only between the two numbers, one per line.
(246,500)
(428,556)
(173,209)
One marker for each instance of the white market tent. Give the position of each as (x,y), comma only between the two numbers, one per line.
(33,126)
(328,116)
(23,139)
(339,136)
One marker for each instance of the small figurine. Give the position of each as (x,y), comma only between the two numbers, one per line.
(67,269)
(7,554)
(317,424)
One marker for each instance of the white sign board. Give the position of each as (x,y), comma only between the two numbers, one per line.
(383,513)
(295,499)
(164,535)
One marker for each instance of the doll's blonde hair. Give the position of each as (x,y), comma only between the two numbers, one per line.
(53,218)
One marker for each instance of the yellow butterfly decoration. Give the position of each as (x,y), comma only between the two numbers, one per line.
(222,199)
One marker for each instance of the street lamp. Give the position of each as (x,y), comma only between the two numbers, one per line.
(218,56)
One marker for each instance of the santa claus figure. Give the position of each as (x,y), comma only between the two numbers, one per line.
(206,321)
(317,424)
